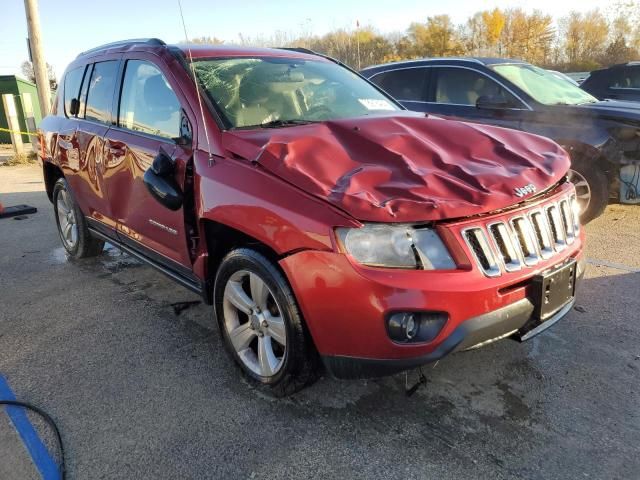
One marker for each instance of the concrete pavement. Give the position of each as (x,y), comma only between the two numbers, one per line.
(142,392)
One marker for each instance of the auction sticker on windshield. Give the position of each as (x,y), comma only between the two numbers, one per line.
(375,104)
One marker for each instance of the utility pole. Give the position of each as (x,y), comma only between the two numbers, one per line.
(358,42)
(37,55)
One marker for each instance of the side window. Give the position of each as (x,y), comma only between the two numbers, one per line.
(460,86)
(72,82)
(628,77)
(100,95)
(404,84)
(148,104)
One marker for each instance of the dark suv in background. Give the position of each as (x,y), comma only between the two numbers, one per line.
(602,138)
(619,82)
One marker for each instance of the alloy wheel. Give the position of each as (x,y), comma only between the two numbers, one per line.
(67,222)
(254,323)
(583,190)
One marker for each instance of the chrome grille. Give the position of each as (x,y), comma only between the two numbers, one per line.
(524,239)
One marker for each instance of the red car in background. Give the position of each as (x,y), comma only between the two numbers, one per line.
(325,223)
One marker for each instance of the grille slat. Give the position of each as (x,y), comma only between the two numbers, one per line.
(525,239)
(567,221)
(503,240)
(558,234)
(477,241)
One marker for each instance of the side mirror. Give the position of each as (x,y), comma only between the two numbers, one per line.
(74,108)
(163,165)
(160,181)
(486,102)
(165,190)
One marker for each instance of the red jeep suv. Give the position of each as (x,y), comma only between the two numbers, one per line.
(325,223)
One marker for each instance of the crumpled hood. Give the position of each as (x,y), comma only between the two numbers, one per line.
(405,167)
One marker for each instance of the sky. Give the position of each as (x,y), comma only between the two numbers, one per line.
(71,26)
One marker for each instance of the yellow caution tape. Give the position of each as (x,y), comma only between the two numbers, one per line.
(17,131)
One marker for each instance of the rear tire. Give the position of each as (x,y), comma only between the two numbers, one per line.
(72,225)
(261,325)
(592,188)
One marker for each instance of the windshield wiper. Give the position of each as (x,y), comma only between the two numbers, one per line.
(285,123)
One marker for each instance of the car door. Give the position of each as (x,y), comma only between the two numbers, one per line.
(468,94)
(84,139)
(408,85)
(149,115)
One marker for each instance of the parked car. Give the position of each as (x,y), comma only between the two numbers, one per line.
(578,77)
(602,138)
(619,82)
(318,217)
(564,76)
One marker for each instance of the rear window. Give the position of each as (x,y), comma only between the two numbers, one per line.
(100,95)
(72,82)
(403,84)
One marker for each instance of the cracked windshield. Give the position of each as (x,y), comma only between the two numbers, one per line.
(251,92)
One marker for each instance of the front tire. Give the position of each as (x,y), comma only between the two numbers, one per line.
(261,325)
(592,188)
(72,225)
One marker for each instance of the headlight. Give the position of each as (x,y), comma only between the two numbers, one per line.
(396,246)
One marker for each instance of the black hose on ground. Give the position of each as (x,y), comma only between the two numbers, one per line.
(52,424)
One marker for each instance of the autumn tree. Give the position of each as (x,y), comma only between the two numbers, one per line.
(493,23)
(27,71)
(527,36)
(583,41)
(482,32)
(344,45)
(624,34)
(585,38)
(207,41)
(435,38)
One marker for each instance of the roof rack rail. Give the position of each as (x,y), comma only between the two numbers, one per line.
(122,43)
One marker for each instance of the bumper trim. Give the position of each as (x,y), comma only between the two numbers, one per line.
(472,333)
(549,322)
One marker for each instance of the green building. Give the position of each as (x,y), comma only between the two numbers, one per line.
(17,86)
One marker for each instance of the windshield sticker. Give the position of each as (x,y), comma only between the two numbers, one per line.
(375,104)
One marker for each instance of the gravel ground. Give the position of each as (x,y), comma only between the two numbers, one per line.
(142,392)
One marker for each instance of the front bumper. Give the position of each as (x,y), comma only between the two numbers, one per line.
(474,333)
(346,305)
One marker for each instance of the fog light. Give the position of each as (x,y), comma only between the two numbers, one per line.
(410,326)
(406,327)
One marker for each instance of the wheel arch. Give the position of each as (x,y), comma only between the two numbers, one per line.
(51,174)
(592,154)
(220,239)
